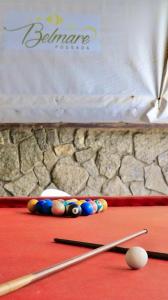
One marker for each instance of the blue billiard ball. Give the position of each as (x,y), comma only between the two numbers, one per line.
(87,209)
(47,207)
(44,206)
(39,206)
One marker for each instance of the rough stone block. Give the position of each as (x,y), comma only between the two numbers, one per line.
(22,186)
(154,179)
(9,162)
(66,135)
(91,167)
(84,155)
(95,183)
(41,138)
(108,163)
(30,154)
(50,159)
(138,188)
(52,136)
(20,134)
(70,178)
(131,169)
(36,192)
(79,139)
(89,192)
(115,187)
(64,150)
(149,145)
(42,175)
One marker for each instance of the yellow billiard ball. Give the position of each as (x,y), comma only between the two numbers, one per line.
(80,202)
(72,200)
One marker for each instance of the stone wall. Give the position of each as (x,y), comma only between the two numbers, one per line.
(83,161)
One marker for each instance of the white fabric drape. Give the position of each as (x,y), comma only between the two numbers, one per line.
(115,72)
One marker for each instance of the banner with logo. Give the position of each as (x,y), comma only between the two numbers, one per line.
(78,61)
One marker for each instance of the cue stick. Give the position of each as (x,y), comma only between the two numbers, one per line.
(13,285)
(122,250)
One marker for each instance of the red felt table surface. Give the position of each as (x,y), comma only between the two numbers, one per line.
(26,246)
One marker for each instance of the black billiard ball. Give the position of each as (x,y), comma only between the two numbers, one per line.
(73,210)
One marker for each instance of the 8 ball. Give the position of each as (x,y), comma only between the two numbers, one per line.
(73,210)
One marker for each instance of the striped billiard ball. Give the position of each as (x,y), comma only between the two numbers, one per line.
(99,206)
(58,208)
(105,204)
(94,206)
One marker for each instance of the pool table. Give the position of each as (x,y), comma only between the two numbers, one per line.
(27,245)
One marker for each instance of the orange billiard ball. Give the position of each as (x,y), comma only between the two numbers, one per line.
(31,205)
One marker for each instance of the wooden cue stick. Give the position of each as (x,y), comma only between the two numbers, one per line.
(20,282)
(122,250)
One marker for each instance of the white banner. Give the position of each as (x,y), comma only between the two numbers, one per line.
(83,61)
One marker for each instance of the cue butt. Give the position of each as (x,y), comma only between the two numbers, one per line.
(13,285)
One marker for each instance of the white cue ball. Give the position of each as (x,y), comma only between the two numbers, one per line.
(136,257)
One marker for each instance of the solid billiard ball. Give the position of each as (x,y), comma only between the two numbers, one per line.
(73,200)
(44,206)
(31,205)
(73,210)
(67,204)
(47,207)
(39,206)
(58,208)
(69,201)
(87,209)
(80,202)
(136,257)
